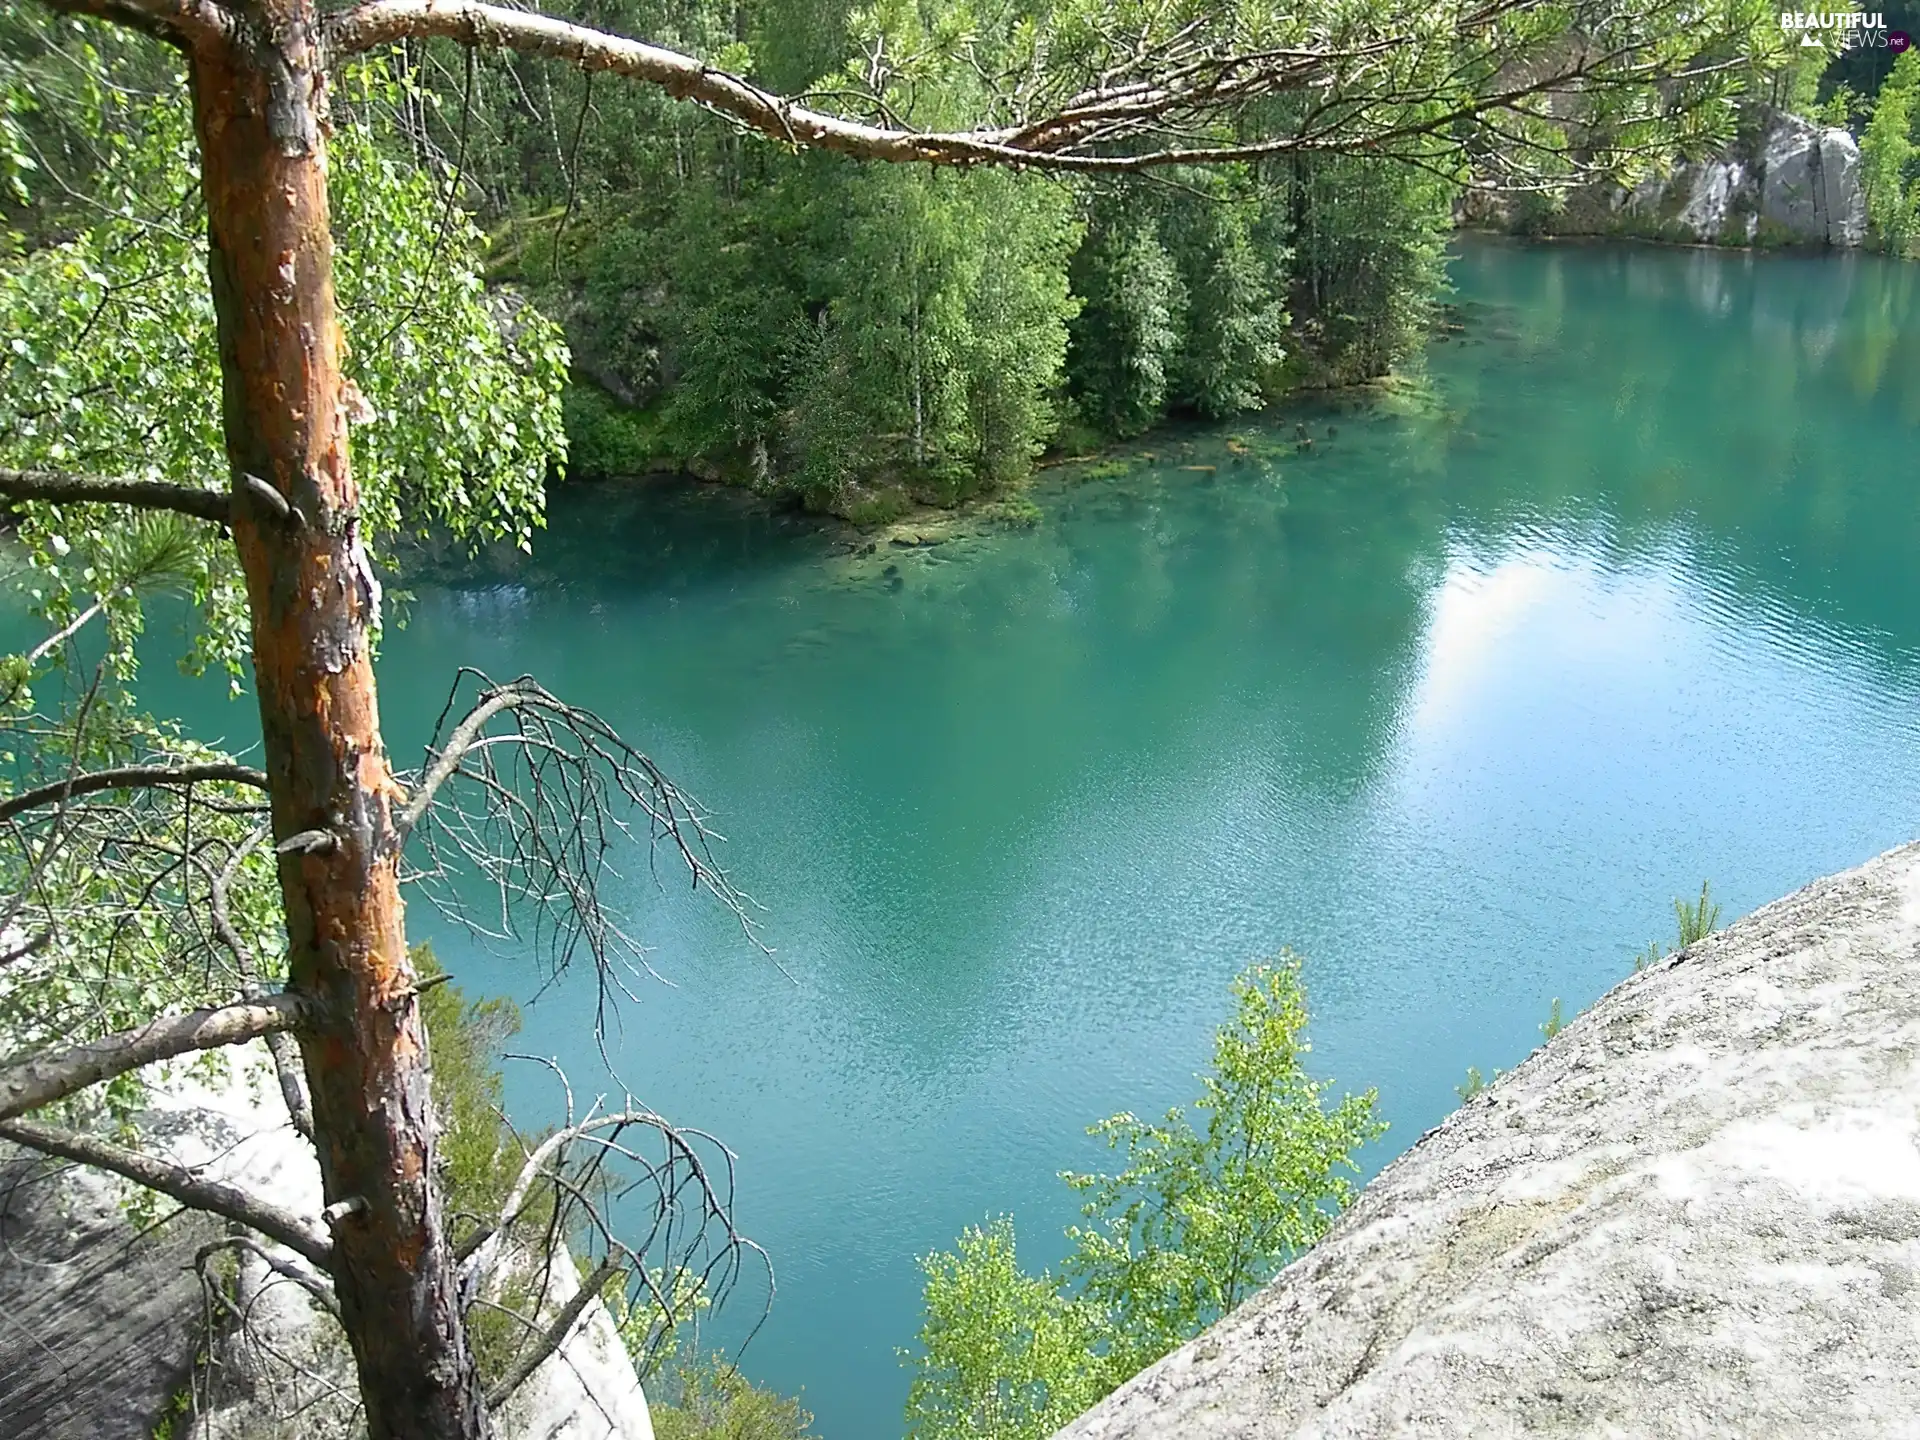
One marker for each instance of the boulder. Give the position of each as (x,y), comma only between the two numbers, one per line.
(1811,192)
(1696,1212)
(98,1320)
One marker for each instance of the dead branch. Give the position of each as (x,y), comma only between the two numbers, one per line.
(553,1337)
(178,1183)
(288,1067)
(316,1285)
(526,793)
(687,1255)
(42,1079)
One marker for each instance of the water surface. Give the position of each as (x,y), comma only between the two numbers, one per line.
(1453,701)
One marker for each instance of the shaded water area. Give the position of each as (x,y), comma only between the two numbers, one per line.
(1619,597)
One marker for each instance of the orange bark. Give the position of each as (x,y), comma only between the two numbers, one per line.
(260,107)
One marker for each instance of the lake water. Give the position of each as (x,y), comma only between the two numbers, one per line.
(1620,597)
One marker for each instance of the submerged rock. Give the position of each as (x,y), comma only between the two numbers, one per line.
(1695,1212)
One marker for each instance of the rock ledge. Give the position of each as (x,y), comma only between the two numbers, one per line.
(1695,1213)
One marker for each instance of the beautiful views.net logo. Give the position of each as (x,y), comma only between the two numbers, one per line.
(1853,29)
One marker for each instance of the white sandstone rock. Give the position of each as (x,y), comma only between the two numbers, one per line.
(1695,1213)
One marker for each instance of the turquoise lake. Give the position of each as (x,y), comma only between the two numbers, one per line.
(1615,596)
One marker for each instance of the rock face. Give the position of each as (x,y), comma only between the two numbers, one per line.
(102,1329)
(1789,182)
(97,1323)
(1810,184)
(1695,1213)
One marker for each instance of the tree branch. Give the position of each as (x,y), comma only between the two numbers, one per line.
(130,777)
(29,1084)
(58,488)
(483,26)
(176,1182)
(554,1336)
(177,22)
(506,697)
(315,1285)
(1153,88)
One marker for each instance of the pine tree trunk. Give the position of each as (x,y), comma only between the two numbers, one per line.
(260,108)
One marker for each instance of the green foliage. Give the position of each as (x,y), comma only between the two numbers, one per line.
(940,322)
(123,939)
(1128,331)
(1553,1024)
(606,439)
(652,1323)
(1368,240)
(1195,1220)
(1697,921)
(1473,1084)
(713,1401)
(177,1413)
(860,335)
(476,1150)
(110,360)
(1007,1355)
(1200,1218)
(1888,169)
(1231,354)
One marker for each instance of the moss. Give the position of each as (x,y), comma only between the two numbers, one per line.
(1772,235)
(1017,511)
(1076,437)
(871,507)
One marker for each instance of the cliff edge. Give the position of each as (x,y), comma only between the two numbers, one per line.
(1695,1213)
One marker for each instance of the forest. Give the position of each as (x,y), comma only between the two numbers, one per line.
(853,258)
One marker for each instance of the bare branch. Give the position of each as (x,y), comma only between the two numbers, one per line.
(506,697)
(42,1079)
(554,1336)
(314,1284)
(130,777)
(689,1256)
(287,1065)
(65,633)
(58,488)
(177,1182)
(541,814)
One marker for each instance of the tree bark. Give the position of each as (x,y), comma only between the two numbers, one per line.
(42,1079)
(260,109)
